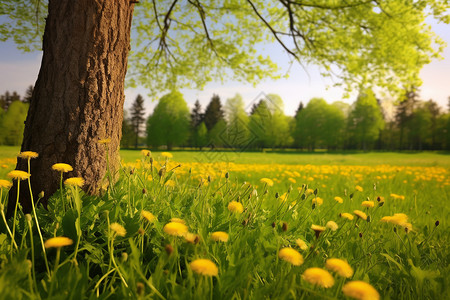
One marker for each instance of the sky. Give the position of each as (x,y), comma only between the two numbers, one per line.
(19,70)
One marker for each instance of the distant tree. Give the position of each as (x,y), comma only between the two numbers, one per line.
(7,99)
(196,115)
(299,109)
(435,112)
(202,135)
(254,107)
(259,123)
(403,114)
(137,113)
(28,94)
(237,121)
(365,120)
(214,112)
(12,124)
(169,123)
(419,126)
(128,134)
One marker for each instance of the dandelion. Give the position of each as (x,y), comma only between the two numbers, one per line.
(292,180)
(219,236)
(178,220)
(360,214)
(346,216)
(104,141)
(318,229)
(170,183)
(317,201)
(61,167)
(74,181)
(283,197)
(148,216)
(5,184)
(166,154)
(19,175)
(360,290)
(332,225)
(318,276)
(398,219)
(338,199)
(235,207)
(359,188)
(395,196)
(146,152)
(309,192)
(267,181)
(28,155)
(204,267)
(175,229)
(368,204)
(192,238)
(58,242)
(339,266)
(301,244)
(118,229)
(291,255)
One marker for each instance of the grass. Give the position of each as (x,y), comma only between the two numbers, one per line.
(140,257)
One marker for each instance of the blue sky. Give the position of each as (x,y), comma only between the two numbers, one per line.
(19,70)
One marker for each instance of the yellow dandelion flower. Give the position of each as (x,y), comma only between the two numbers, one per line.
(360,290)
(28,155)
(166,154)
(175,229)
(104,141)
(177,220)
(318,276)
(236,207)
(339,266)
(5,184)
(317,201)
(170,183)
(339,199)
(74,181)
(368,204)
(398,219)
(204,267)
(148,216)
(219,236)
(19,175)
(332,225)
(118,229)
(359,188)
(395,196)
(309,192)
(301,244)
(318,228)
(267,181)
(292,180)
(146,152)
(150,178)
(192,238)
(291,255)
(61,167)
(346,216)
(283,197)
(360,214)
(58,242)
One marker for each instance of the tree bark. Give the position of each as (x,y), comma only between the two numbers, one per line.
(78,97)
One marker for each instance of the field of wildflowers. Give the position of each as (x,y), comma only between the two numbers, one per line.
(233,231)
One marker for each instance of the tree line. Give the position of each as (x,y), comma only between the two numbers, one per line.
(367,124)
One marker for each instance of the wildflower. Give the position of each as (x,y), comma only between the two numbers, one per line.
(332,225)
(318,276)
(292,180)
(62,167)
(236,207)
(360,214)
(148,216)
(178,220)
(301,244)
(118,229)
(175,229)
(339,266)
(28,155)
(19,175)
(309,192)
(360,290)
(170,183)
(291,255)
(104,141)
(368,204)
(318,229)
(339,199)
(219,236)
(5,184)
(346,216)
(267,181)
(359,188)
(395,196)
(317,201)
(166,154)
(398,219)
(58,242)
(192,238)
(146,152)
(283,197)
(74,181)
(204,267)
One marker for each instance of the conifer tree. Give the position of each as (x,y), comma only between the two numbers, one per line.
(137,117)
(214,112)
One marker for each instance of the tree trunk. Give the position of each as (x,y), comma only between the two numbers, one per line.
(79,94)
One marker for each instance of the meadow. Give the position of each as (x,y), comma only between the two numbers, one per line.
(226,225)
